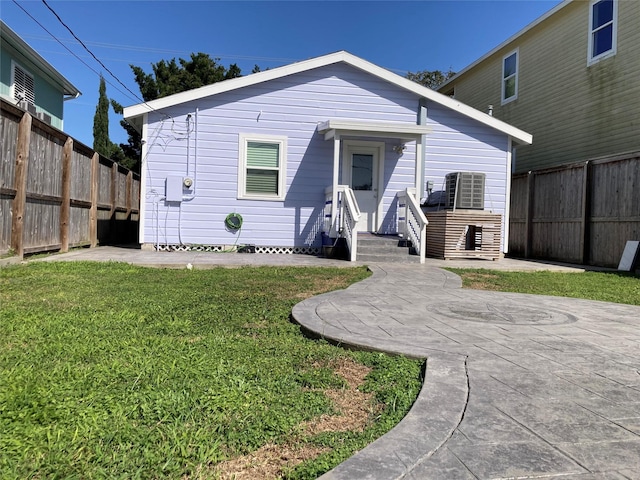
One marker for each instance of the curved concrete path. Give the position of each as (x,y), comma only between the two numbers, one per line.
(516,386)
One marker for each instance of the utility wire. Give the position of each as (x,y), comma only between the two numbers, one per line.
(66,48)
(90,52)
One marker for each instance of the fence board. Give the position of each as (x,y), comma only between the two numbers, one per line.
(582,213)
(81,172)
(79,227)
(41,225)
(39,213)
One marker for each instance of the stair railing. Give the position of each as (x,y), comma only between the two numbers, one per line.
(412,223)
(347,215)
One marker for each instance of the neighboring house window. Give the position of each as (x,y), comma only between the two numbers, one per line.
(23,85)
(262,167)
(510,77)
(602,29)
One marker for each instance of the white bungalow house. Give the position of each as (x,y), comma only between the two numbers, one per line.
(333,144)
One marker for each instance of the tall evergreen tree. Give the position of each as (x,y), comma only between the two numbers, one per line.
(101,142)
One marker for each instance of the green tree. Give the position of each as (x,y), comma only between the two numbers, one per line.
(173,76)
(101,142)
(132,150)
(431,78)
(167,78)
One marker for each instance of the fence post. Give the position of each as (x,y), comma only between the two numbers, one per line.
(93,212)
(65,208)
(20,200)
(585,234)
(529,214)
(114,200)
(129,193)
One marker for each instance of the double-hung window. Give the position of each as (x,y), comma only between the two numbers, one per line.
(510,77)
(262,167)
(23,85)
(603,19)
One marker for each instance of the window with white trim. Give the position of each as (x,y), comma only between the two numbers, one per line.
(603,29)
(23,85)
(262,167)
(510,77)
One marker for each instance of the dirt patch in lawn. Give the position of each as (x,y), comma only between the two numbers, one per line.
(355,410)
(480,281)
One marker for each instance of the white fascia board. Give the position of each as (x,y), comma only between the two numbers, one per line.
(519,135)
(232,84)
(136,110)
(395,130)
(504,44)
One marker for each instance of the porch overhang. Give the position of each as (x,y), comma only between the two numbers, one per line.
(338,127)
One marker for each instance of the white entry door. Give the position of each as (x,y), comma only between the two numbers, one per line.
(362,171)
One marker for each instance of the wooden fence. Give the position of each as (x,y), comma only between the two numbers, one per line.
(582,213)
(56,193)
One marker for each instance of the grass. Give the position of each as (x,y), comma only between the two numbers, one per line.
(109,370)
(608,287)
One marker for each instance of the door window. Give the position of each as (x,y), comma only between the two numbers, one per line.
(362,172)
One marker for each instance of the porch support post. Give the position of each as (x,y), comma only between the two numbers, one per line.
(334,191)
(419,167)
(421,149)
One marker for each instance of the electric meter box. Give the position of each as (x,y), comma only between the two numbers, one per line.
(173,189)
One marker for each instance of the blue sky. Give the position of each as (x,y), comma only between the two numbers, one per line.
(401,36)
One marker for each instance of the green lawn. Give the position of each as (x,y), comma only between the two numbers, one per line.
(608,287)
(114,371)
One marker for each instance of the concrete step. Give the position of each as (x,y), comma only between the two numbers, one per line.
(382,258)
(384,248)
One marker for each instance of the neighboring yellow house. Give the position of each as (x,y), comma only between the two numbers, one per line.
(571,78)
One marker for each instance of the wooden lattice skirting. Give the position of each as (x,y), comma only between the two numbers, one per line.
(230,248)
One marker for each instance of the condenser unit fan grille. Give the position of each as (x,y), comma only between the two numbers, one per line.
(465,190)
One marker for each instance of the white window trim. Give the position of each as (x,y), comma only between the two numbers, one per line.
(243,140)
(614,41)
(12,92)
(516,75)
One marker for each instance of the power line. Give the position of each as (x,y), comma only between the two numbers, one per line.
(90,52)
(66,48)
(116,46)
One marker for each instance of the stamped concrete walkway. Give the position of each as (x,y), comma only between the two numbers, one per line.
(516,386)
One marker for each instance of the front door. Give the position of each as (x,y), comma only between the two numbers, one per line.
(362,175)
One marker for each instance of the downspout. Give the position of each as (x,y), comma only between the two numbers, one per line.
(422,120)
(507,205)
(144,151)
(334,195)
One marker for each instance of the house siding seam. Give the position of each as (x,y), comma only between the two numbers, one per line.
(575,111)
(292,104)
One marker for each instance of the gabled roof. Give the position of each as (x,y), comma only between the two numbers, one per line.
(511,39)
(12,39)
(134,113)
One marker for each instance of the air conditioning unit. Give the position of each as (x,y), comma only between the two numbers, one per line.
(45,117)
(465,190)
(29,107)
